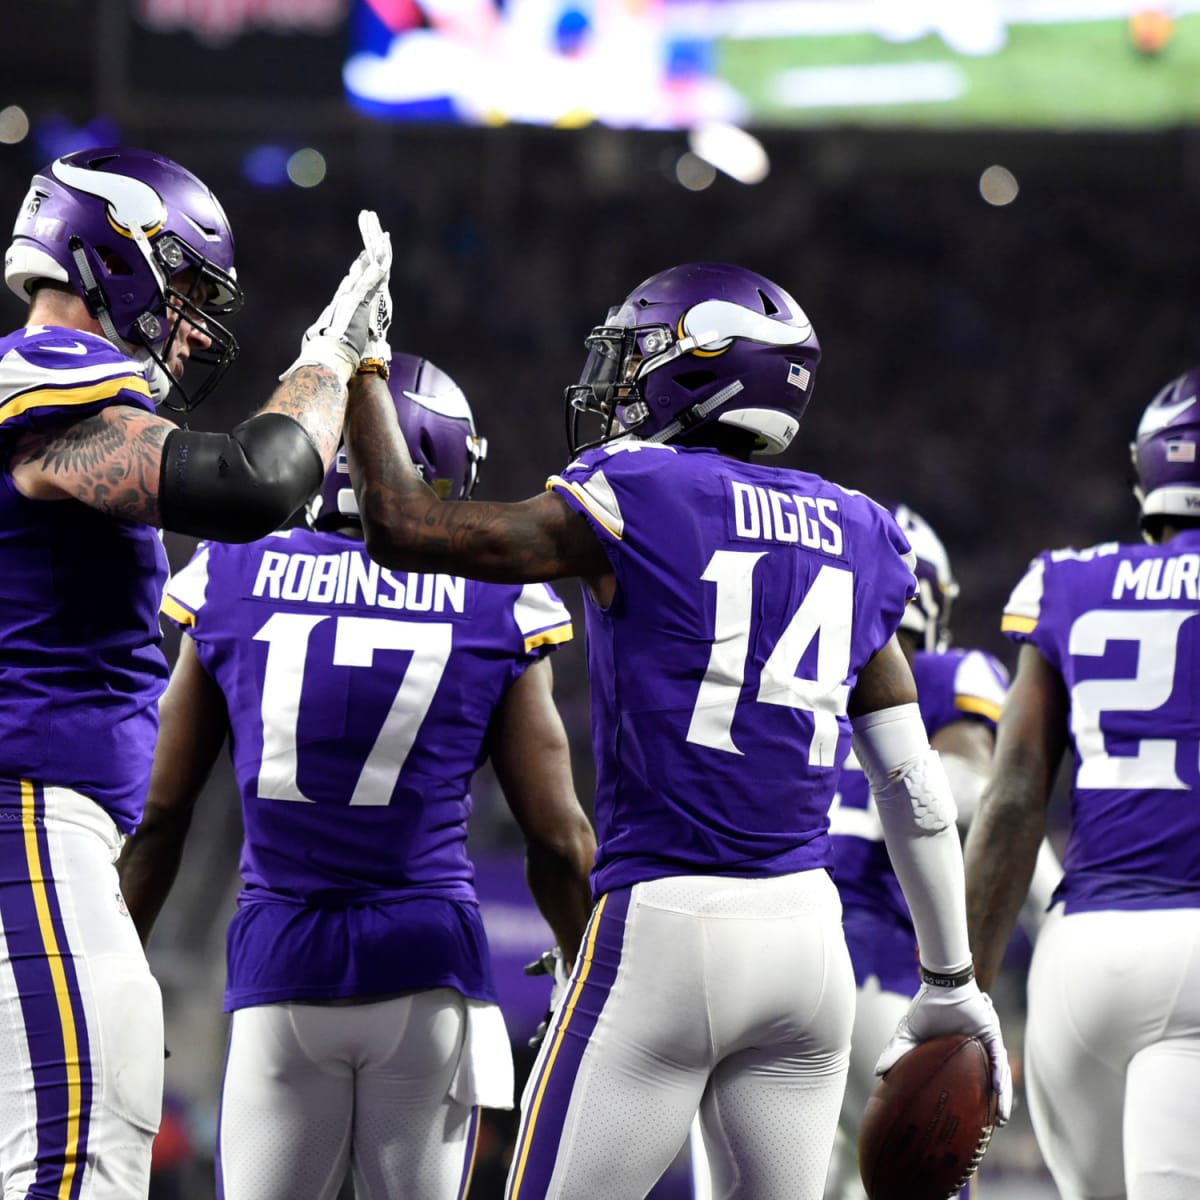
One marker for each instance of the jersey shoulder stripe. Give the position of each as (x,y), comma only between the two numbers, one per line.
(596,496)
(187,590)
(47,372)
(1024,607)
(541,617)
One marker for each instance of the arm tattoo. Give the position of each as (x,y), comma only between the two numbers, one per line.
(109,461)
(314,398)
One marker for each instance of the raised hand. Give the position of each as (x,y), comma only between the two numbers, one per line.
(338,338)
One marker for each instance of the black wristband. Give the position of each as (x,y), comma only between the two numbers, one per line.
(937,979)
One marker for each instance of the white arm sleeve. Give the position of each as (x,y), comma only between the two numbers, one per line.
(916,810)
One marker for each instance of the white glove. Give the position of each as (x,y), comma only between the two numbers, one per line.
(549,963)
(963,1009)
(377,353)
(338,337)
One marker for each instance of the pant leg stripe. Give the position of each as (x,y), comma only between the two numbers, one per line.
(472,1147)
(52,1010)
(573,1027)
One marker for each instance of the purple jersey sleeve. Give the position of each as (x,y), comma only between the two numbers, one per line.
(748,598)
(1121,626)
(48,375)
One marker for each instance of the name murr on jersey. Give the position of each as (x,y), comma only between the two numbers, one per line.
(351,578)
(1158,578)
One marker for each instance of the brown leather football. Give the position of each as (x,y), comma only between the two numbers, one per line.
(928,1121)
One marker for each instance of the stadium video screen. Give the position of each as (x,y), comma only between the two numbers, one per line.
(673,64)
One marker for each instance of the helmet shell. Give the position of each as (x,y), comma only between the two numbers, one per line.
(438,428)
(695,344)
(118,226)
(928,613)
(1166,450)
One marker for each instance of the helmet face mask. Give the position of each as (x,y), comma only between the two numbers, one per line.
(438,429)
(928,613)
(1166,452)
(145,245)
(701,343)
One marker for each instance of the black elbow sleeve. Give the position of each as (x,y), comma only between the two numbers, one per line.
(239,486)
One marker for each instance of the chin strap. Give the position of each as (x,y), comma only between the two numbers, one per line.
(697,413)
(153,367)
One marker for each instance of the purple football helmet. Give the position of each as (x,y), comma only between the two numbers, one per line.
(144,244)
(691,345)
(928,613)
(1166,451)
(440,433)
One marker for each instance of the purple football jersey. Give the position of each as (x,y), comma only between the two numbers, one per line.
(80,665)
(748,599)
(359,701)
(1119,623)
(952,686)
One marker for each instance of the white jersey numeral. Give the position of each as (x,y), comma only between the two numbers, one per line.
(1157,636)
(356,639)
(824,613)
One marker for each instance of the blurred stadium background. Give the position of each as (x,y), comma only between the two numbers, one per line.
(987,208)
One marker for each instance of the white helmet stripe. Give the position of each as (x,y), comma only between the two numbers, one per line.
(712,324)
(132,204)
(448,404)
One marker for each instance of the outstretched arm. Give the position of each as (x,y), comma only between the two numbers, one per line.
(138,466)
(233,487)
(192,725)
(408,527)
(1004,840)
(529,751)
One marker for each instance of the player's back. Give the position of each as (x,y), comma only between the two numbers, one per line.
(1119,624)
(80,665)
(359,702)
(747,600)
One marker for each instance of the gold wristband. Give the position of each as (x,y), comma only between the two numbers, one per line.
(373,366)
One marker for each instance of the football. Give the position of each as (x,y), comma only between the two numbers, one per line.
(928,1121)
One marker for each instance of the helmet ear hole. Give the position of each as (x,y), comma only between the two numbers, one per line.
(694,380)
(427,450)
(113,262)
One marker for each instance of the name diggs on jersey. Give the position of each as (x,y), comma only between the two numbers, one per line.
(351,578)
(763,514)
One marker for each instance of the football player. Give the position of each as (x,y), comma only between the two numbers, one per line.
(359,703)
(740,618)
(126,261)
(960,693)
(1109,638)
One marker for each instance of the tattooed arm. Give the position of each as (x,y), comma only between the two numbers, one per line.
(1006,834)
(109,461)
(407,526)
(236,487)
